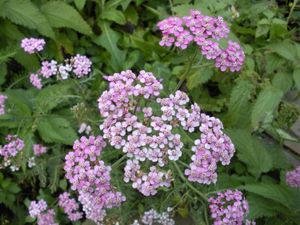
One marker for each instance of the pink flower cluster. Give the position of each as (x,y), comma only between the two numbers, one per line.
(148,132)
(213,146)
(205,31)
(293,178)
(153,217)
(70,206)
(11,149)
(38,209)
(2,104)
(91,178)
(79,65)
(32,45)
(229,207)
(39,149)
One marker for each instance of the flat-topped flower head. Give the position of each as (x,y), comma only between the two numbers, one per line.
(33,45)
(293,178)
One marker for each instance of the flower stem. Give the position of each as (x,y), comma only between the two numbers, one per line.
(187,71)
(116,164)
(203,196)
(291,11)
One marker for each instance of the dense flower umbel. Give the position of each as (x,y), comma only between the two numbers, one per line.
(32,45)
(70,206)
(39,210)
(153,217)
(149,134)
(90,177)
(293,178)
(14,146)
(2,104)
(39,149)
(229,207)
(205,31)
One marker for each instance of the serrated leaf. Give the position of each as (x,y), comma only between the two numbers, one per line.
(282,81)
(24,12)
(112,4)
(296,76)
(80,4)
(265,104)
(18,102)
(60,14)
(51,96)
(285,49)
(56,129)
(251,151)
(263,207)
(275,192)
(198,77)
(114,15)
(239,106)
(108,40)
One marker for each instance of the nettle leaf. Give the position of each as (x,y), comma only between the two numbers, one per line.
(24,12)
(60,14)
(285,49)
(265,104)
(198,76)
(278,193)
(18,102)
(56,129)
(51,96)
(263,207)
(251,151)
(108,40)
(296,76)
(239,106)
(114,15)
(282,81)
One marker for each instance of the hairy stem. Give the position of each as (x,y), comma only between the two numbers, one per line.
(291,11)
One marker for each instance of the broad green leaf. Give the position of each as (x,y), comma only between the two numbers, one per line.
(251,151)
(265,104)
(275,192)
(51,96)
(24,12)
(283,81)
(114,15)
(60,14)
(80,4)
(18,102)
(296,76)
(278,28)
(112,4)
(198,77)
(263,207)
(285,49)
(56,129)
(108,40)
(263,27)
(239,106)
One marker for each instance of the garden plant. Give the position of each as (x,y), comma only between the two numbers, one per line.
(139,112)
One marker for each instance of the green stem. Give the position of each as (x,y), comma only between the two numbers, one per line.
(118,161)
(187,71)
(171,6)
(291,11)
(203,196)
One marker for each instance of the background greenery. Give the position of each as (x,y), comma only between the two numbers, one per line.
(255,105)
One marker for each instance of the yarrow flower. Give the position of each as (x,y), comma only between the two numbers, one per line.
(39,149)
(205,31)
(70,206)
(36,81)
(145,135)
(153,217)
(38,209)
(14,146)
(32,45)
(81,65)
(90,177)
(229,207)
(2,104)
(293,178)
(84,128)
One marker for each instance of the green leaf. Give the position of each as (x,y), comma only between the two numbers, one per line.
(18,102)
(282,81)
(285,49)
(265,104)
(56,129)
(60,14)
(112,4)
(108,40)
(278,28)
(278,193)
(251,151)
(24,12)
(296,76)
(80,4)
(263,207)
(263,27)
(239,106)
(114,15)
(51,96)
(198,77)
